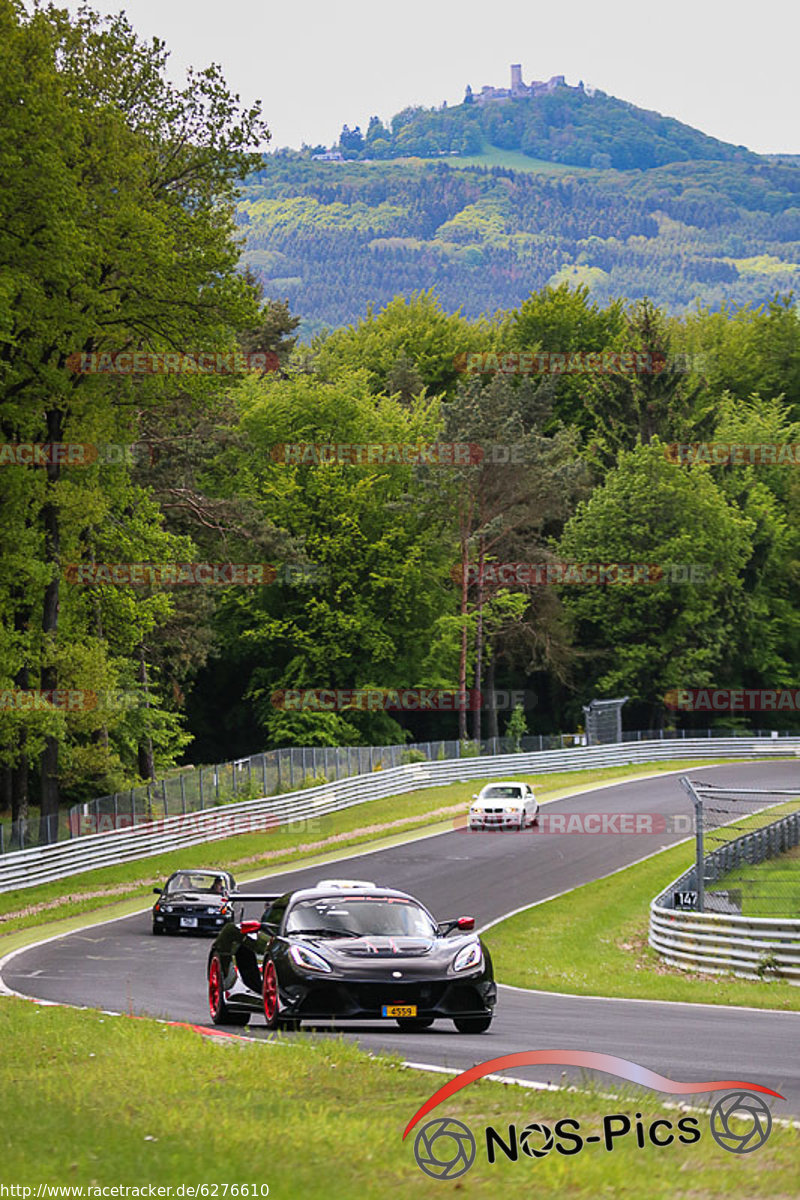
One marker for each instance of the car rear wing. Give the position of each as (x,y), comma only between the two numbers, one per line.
(255,897)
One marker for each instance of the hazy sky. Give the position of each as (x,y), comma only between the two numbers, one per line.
(724,66)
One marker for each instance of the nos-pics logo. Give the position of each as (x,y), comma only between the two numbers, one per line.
(446,1148)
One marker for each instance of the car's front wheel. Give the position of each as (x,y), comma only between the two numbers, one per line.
(157,929)
(220,1013)
(269,994)
(414,1024)
(472,1024)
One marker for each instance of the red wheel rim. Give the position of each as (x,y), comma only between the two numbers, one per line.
(214,987)
(270,992)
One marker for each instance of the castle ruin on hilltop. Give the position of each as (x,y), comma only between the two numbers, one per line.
(518,89)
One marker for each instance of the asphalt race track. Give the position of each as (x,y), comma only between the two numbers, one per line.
(121,967)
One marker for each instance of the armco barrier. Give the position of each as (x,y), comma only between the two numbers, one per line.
(721,943)
(24,868)
(724,943)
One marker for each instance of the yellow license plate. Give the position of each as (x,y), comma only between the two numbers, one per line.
(399,1010)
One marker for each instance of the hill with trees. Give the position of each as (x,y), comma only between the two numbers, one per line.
(564,125)
(327,235)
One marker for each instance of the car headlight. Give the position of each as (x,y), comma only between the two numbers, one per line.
(308,959)
(213,912)
(167,908)
(468,957)
(514,809)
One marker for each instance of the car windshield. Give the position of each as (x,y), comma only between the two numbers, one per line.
(502,793)
(360,916)
(197,881)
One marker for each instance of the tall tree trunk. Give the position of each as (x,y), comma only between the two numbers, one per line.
(146,763)
(20,770)
(19,795)
(50,796)
(101,734)
(491,714)
(478,697)
(462,665)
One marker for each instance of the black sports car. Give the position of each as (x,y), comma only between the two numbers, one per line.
(350,951)
(195,901)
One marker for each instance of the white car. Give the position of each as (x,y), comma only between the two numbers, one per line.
(509,805)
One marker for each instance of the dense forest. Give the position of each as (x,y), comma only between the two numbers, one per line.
(371,570)
(326,236)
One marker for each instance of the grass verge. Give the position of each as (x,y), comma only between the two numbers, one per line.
(253,855)
(768,889)
(98,1100)
(593,942)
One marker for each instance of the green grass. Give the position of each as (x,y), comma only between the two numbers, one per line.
(255,854)
(763,264)
(577,275)
(593,941)
(93,1099)
(493,156)
(769,889)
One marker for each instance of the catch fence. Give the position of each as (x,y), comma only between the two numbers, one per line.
(738,907)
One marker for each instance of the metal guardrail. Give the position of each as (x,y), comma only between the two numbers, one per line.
(276,772)
(25,868)
(721,943)
(272,772)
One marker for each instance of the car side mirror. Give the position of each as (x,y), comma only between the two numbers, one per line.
(250,926)
(158,891)
(462,923)
(474,795)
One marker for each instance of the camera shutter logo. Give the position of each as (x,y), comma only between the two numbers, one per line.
(736,1104)
(528,1138)
(444,1148)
